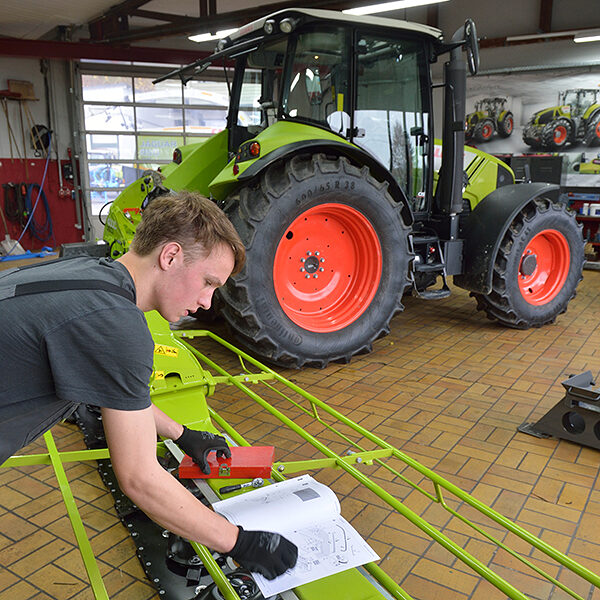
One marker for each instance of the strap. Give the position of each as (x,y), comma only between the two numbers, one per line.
(42,287)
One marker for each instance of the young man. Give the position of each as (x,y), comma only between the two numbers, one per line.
(73,331)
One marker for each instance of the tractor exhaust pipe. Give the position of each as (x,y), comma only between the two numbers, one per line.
(449,189)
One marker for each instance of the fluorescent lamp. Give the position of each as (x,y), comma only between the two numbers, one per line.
(587,36)
(206,37)
(387,6)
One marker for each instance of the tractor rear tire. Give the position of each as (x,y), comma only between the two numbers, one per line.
(538,267)
(327,262)
(592,135)
(484,130)
(506,125)
(557,134)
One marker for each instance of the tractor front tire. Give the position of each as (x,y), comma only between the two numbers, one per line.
(557,134)
(592,136)
(537,268)
(327,262)
(506,125)
(484,130)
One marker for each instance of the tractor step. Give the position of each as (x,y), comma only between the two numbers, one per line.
(434,294)
(429,267)
(425,239)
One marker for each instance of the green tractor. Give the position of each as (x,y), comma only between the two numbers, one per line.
(326,169)
(490,115)
(575,119)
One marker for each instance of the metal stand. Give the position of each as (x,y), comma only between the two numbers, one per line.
(575,418)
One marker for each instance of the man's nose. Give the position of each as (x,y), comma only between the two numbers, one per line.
(205,299)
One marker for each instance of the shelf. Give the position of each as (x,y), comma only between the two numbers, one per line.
(586,218)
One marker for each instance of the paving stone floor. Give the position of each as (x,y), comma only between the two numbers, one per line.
(448,388)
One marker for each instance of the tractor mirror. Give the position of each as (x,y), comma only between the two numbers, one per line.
(471,46)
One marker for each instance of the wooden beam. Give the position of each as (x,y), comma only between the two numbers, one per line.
(546,16)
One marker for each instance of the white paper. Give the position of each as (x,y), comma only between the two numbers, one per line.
(307,513)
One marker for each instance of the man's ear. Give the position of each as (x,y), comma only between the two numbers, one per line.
(170,255)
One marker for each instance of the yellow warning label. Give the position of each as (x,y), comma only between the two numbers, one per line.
(166,350)
(159,375)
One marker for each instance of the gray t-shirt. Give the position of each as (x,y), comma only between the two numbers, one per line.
(64,348)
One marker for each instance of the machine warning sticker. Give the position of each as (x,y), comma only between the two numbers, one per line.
(166,350)
(159,375)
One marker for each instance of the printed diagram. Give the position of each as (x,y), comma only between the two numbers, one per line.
(318,547)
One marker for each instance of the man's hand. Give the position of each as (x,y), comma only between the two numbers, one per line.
(269,554)
(198,444)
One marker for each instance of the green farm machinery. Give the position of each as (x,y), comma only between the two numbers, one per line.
(311,436)
(490,115)
(327,170)
(575,119)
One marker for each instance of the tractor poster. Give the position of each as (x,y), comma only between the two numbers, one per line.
(549,112)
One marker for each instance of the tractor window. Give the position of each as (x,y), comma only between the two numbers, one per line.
(391,117)
(317,86)
(259,93)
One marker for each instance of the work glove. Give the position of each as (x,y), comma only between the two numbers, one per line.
(269,554)
(198,444)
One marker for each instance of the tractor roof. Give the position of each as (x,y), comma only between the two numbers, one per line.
(337,17)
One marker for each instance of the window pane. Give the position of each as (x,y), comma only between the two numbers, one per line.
(319,79)
(206,93)
(104,175)
(159,119)
(106,88)
(205,122)
(114,147)
(165,92)
(99,200)
(391,111)
(100,117)
(155,147)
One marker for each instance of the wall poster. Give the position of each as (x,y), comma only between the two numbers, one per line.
(553,112)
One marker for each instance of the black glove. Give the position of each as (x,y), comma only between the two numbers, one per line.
(198,444)
(269,554)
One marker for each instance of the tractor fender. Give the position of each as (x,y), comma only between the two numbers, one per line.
(484,230)
(354,154)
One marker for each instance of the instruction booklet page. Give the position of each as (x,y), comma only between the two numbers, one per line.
(307,513)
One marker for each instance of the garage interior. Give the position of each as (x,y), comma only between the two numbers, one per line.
(447,386)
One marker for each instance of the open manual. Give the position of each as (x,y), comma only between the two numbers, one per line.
(307,513)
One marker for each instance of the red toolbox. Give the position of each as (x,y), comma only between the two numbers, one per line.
(246,462)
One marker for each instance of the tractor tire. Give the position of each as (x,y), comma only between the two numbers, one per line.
(506,125)
(327,262)
(592,135)
(484,130)
(557,134)
(538,267)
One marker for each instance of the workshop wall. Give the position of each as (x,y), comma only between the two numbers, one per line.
(56,219)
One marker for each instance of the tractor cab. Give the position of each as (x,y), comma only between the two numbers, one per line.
(366,84)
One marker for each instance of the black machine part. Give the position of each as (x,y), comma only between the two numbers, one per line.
(575,418)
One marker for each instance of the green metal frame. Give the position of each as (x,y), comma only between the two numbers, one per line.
(365,449)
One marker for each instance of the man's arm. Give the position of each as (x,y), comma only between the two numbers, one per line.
(165,426)
(131,437)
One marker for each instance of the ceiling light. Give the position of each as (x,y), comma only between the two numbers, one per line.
(587,36)
(387,6)
(206,37)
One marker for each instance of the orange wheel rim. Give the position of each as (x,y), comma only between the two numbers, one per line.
(509,125)
(487,131)
(597,130)
(544,267)
(560,134)
(327,267)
